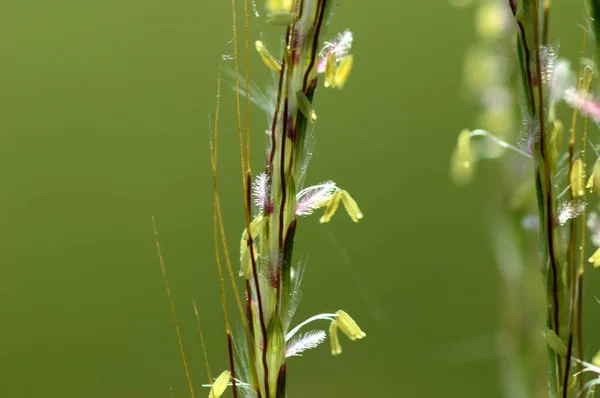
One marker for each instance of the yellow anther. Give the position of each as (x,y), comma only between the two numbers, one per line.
(267,58)
(595,259)
(577,179)
(343,70)
(555,142)
(330,70)
(593,183)
(351,206)
(349,326)
(218,387)
(274,6)
(331,208)
(336,348)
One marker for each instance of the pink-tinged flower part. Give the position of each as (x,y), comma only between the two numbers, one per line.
(340,47)
(261,190)
(304,342)
(310,199)
(583,102)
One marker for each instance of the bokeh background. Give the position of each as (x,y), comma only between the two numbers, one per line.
(104,124)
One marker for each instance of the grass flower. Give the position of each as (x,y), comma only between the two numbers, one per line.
(277,196)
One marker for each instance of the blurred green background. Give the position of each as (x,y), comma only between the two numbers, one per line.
(104,124)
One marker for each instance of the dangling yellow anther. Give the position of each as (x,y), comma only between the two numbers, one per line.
(577,179)
(267,58)
(343,70)
(331,208)
(330,70)
(594,182)
(349,326)
(305,106)
(218,387)
(595,259)
(351,206)
(336,348)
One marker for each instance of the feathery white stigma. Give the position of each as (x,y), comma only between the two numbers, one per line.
(569,210)
(547,61)
(312,198)
(340,47)
(261,190)
(304,342)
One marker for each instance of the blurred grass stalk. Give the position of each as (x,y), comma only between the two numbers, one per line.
(534,225)
(275,198)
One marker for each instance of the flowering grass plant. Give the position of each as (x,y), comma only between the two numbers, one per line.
(547,207)
(275,198)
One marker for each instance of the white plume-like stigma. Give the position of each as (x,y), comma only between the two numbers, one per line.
(312,198)
(547,59)
(562,78)
(340,46)
(304,342)
(261,190)
(569,210)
